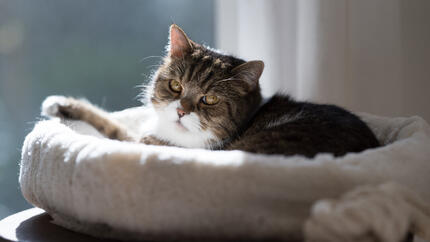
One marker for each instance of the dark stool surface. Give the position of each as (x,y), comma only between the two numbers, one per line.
(35,225)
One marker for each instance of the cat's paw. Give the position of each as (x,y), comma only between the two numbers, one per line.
(56,106)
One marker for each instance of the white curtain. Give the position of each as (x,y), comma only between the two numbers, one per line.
(366,55)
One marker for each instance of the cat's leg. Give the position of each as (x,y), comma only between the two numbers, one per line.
(152,140)
(71,108)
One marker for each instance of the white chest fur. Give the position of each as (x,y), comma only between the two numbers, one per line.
(185,132)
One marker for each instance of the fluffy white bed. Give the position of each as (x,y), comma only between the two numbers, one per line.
(115,189)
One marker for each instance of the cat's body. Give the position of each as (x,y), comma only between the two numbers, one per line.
(284,126)
(204,99)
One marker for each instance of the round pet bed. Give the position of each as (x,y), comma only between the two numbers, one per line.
(114,189)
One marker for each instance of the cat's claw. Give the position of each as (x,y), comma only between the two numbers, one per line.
(51,106)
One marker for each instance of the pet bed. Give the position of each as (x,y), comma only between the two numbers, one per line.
(114,189)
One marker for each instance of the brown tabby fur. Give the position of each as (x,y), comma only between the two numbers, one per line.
(203,71)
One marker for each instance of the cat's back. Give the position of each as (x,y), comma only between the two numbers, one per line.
(285,126)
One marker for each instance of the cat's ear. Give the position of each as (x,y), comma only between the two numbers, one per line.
(179,44)
(249,72)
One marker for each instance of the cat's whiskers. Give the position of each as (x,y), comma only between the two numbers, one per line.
(146,90)
(149,57)
(228,79)
(155,66)
(193,123)
(197,125)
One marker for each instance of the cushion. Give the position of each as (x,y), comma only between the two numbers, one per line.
(115,189)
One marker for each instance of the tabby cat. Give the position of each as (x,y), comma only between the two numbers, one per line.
(202,98)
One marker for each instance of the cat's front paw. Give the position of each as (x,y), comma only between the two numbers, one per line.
(56,106)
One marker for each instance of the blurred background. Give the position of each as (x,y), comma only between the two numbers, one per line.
(368,56)
(98,49)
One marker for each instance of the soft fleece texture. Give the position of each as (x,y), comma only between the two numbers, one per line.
(125,190)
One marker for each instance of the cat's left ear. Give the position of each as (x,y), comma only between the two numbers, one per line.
(249,72)
(179,44)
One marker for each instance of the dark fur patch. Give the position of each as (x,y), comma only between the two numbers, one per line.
(304,128)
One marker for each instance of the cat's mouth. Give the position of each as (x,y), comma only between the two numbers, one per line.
(180,125)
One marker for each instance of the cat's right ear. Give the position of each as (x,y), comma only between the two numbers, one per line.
(250,72)
(179,44)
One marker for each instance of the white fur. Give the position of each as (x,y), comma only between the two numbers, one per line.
(51,104)
(164,126)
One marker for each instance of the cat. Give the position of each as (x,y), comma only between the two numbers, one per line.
(202,98)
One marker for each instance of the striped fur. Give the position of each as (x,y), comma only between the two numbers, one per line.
(204,71)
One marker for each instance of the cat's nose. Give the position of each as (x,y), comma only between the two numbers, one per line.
(180,112)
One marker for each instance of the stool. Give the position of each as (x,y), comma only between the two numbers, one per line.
(34,225)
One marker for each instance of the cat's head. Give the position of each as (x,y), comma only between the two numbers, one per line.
(201,96)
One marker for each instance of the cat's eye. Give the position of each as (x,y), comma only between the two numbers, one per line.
(175,86)
(210,99)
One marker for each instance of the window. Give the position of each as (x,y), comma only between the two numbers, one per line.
(99,49)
